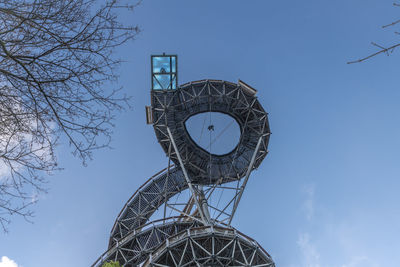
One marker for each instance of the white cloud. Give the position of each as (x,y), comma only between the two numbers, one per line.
(4,170)
(360,262)
(6,262)
(309,251)
(340,235)
(19,138)
(308,204)
(310,255)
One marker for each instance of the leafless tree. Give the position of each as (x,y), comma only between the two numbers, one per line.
(56,63)
(382,49)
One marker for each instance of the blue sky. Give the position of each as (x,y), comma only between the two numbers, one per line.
(326,195)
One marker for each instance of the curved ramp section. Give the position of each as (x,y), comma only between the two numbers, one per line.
(146,200)
(136,246)
(171,108)
(209,246)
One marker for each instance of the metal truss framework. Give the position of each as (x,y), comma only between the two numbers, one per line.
(171,109)
(158,190)
(136,246)
(198,221)
(146,200)
(209,246)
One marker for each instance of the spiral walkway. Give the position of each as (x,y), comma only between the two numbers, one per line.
(200,233)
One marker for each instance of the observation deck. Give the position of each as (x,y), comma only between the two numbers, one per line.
(201,188)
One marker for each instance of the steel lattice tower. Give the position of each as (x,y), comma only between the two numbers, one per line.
(200,233)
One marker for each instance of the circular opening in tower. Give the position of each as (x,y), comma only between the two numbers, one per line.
(215,132)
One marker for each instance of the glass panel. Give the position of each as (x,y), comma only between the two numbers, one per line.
(156,85)
(161,65)
(162,81)
(173,81)
(173,59)
(164,72)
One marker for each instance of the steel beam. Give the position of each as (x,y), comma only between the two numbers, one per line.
(249,169)
(191,187)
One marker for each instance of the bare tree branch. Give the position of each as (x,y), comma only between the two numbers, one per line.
(383,50)
(57,70)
